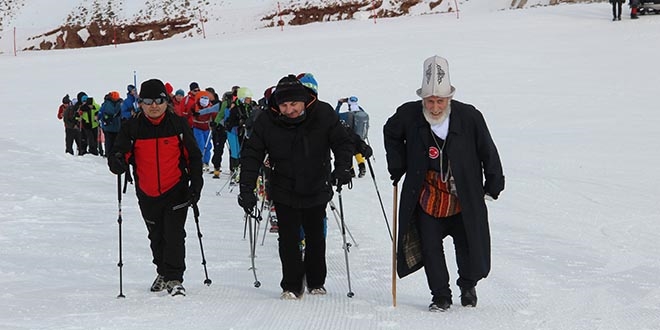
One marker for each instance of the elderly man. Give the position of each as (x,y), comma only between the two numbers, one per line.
(445,150)
(298,134)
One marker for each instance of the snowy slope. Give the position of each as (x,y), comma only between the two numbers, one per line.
(573,234)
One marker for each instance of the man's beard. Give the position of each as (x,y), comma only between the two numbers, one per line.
(438,121)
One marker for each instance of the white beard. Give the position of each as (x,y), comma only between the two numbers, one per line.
(434,122)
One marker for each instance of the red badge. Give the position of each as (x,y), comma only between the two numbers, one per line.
(433,152)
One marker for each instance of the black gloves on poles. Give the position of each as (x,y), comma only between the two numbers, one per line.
(340,177)
(247,199)
(117,164)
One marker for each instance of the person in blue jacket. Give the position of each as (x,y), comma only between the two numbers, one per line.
(129,107)
(110,118)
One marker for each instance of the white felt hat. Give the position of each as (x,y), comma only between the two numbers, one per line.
(435,80)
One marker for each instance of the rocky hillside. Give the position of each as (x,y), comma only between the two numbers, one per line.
(90,23)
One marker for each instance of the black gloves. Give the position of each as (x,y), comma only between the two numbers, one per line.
(395,175)
(117,164)
(340,177)
(213,125)
(366,150)
(247,200)
(195,190)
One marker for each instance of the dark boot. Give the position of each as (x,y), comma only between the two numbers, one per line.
(469,297)
(440,304)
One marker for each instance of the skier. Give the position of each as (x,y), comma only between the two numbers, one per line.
(445,150)
(167,167)
(298,134)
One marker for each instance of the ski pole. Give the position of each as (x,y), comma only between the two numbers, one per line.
(120,264)
(373,177)
(253,243)
(336,215)
(394,215)
(350,293)
(207,281)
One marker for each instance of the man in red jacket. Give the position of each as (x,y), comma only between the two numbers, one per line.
(167,167)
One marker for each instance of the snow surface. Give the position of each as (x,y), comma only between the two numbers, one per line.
(570,98)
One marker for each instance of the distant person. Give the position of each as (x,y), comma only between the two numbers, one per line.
(88,112)
(129,106)
(167,167)
(634,5)
(445,150)
(110,118)
(68,129)
(616,9)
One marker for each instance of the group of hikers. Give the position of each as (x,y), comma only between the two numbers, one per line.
(302,149)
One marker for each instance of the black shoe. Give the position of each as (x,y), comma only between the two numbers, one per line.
(159,284)
(614,19)
(469,297)
(440,304)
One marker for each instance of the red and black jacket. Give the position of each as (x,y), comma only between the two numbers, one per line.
(163,153)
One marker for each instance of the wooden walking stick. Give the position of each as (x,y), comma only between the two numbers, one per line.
(394,239)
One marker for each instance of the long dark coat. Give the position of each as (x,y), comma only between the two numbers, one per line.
(473,157)
(299,154)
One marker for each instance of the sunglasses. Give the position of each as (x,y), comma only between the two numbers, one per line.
(159,100)
(196,90)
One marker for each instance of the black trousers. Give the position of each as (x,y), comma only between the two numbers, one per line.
(616,5)
(219,138)
(294,267)
(110,138)
(70,136)
(90,141)
(167,232)
(432,232)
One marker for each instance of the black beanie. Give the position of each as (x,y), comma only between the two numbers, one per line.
(193,86)
(290,89)
(66,99)
(152,89)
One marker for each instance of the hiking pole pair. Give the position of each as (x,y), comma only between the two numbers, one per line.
(253,225)
(347,245)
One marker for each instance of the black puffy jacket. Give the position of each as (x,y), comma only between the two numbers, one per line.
(299,154)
